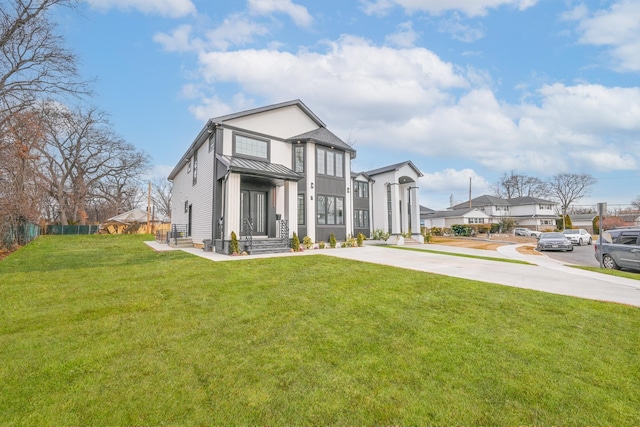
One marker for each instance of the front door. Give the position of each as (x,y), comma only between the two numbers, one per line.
(253,204)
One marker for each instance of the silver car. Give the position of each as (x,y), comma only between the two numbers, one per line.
(578,236)
(554,242)
(620,248)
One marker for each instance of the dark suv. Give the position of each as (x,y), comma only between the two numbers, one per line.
(620,248)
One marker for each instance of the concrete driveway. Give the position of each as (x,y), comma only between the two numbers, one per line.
(545,274)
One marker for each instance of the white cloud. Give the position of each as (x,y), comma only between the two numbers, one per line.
(236,30)
(410,100)
(460,31)
(170,8)
(442,189)
(617,28)
(404,37)
(437,7)
(297,13)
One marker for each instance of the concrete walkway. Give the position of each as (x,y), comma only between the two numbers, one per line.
(545,274)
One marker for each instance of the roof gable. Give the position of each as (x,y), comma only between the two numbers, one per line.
(395,167)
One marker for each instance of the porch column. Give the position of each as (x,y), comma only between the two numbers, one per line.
(232,205)
(415,214)
(291,206)
(395,208)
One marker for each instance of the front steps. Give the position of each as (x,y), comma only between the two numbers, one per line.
(265,246)
(181,242)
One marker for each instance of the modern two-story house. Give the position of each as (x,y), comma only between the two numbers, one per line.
(268,172)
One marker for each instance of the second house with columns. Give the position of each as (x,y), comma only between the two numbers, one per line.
(268,172)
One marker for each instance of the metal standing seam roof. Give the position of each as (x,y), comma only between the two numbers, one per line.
(258,168)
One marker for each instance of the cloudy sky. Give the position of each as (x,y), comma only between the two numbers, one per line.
(465,89)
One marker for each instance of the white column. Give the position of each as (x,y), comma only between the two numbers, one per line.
(291,206)
(232,205)
(415,214)
(395,208)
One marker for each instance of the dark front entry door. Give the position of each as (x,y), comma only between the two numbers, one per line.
(253,204)
(189,223)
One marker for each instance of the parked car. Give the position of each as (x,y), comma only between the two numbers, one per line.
(578,236)
(620,248)
(521,231)
(553,241)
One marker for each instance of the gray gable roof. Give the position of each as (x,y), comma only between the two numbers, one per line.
(323,136)
(395,167)
(487,200)
(455,213)
(259,110)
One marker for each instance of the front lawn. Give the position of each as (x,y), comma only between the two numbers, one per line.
(101,330)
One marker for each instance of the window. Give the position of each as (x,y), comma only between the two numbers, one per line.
(186,206)
(361,218)
(547,222)
(628,238)
(476,220)
(195,167)
(502,208)
(321,161)
(212,140)
(247,146)
(339,164)
(543,207)
(330,210)
(361,189)
(298,158)
(188,165)
(330,163)
(301,211)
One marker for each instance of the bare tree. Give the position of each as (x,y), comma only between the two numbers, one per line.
(81,156)
(636,203)
(33,61)
(161,195)
(512,185)
(21,192)
(568,188)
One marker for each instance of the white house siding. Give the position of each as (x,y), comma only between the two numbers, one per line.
(310,195)
(199,196)
(283,122)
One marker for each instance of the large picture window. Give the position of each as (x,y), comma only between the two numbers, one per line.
(330,163)
(330,210)
(253,147)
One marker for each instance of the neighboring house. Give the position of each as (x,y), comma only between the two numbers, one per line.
(268,172)
(132,222)
(531,212)
(395,204)
(445,219)
(425,215)
(583,221)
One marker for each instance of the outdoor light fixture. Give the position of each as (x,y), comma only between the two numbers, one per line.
(312,185)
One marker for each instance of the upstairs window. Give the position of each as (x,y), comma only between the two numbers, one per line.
(361,189)
(195,167)
(251,147)
(330,163)
(298,158)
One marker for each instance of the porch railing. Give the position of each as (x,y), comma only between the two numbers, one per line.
(283,229)
(247,232)
(177,231)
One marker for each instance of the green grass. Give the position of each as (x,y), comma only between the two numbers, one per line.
(488,258)
(618,273)
(100,330)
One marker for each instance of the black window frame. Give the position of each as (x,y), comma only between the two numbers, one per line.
(330,207)
(255,138)
(296,163)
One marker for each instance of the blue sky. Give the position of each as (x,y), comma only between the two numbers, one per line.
(462,88)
